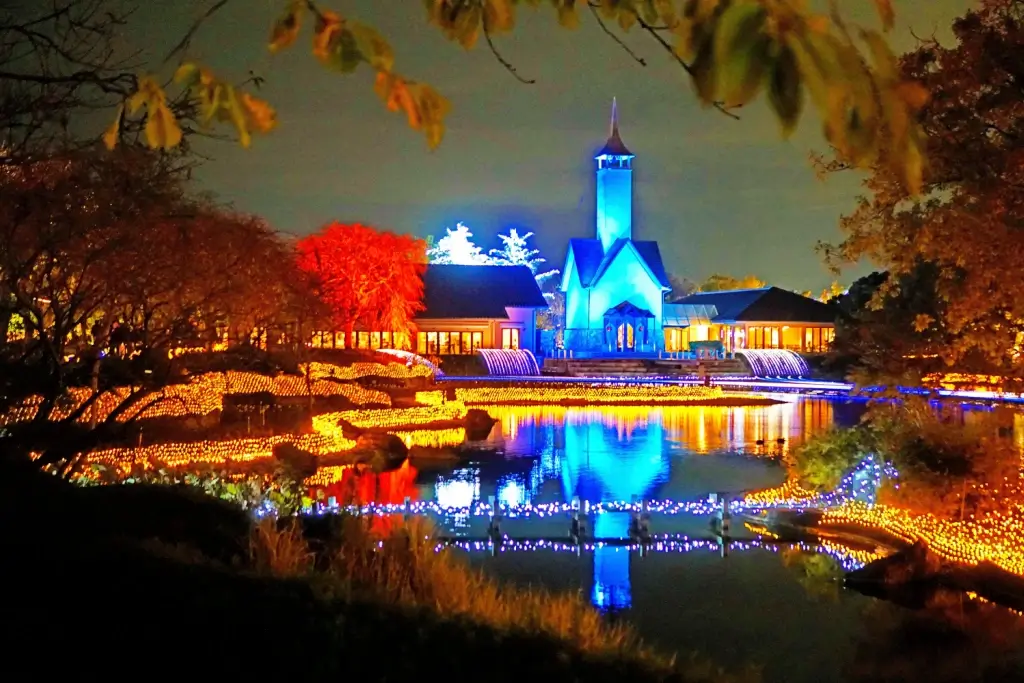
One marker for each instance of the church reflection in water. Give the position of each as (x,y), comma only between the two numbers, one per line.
(617,454)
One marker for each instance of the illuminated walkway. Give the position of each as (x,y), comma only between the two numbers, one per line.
(804,386)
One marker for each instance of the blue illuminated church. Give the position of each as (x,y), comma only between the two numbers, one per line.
(614,285)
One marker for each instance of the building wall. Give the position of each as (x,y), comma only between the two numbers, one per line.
(447,336)
(795,336)
(577,310)
(627,279)
(614,205)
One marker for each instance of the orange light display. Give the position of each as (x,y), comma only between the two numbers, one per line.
(205,393)
(997,538)
(175,455)
(432,438)
(389,418)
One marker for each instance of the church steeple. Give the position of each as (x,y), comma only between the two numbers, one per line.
(614,186)
(614,147)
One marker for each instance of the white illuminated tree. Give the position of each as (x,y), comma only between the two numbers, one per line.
(515,252)
(457,248)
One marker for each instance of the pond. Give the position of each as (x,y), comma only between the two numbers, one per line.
(778,608)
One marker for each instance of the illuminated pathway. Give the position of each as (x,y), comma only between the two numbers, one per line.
(810,386)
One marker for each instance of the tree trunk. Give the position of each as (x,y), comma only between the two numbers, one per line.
(350,327)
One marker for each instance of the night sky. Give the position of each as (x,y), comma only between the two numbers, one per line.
(718,195)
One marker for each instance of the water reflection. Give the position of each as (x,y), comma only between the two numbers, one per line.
(602,454)
(557,453)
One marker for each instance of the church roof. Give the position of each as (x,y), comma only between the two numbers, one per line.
(767,304)
(591,262)
(456,291)
(614,146)
(628,310)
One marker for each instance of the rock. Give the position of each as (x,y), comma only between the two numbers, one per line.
(909,577)
(912,565)
(478,424)
(301,463)
(381,451)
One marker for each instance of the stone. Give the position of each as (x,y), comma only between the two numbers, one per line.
(381,451)
(911,565)
(478,424)
(302,464)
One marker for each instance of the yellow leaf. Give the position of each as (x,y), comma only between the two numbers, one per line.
(567,16)
(433,108)
(922,322)
(499,15)
(233,110)
(162,130)
(148,93)
(286,29)
(187,74)
(112,133)
(467,26)
(261,114)
(371,44)
(627,19)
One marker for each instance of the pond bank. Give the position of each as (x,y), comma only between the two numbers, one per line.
(911,567)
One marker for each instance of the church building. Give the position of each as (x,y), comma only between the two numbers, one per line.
(614,285)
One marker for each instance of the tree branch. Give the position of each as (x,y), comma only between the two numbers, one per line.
(187,38)
(504,62)
(720,106)
(604,27)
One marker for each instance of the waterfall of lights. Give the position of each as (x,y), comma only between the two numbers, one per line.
(411,358)
(510,362)
(775,362)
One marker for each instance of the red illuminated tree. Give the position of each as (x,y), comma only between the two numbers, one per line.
(364,276)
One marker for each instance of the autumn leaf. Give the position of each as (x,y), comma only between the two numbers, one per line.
(885,13)
(260,114)
(286,28)
(741,52)
(374,49)
(567,15)
(785,92)
(162,130)
(149,93)
(187,75)
(233,110)
(112,134)
(922,321)
(499,15)
(328,23)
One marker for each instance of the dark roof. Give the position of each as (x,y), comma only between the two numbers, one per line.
(628,310)
(451,291)
(614,146)
(766,304)
(591,261)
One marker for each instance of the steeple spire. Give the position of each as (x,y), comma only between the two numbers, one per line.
(614,147)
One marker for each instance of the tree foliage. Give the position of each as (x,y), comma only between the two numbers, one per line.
(364,276)
(732,51)
(457,248)
(719,282)
(514,251)
(111,264)
(950,464)
(681,287)
(897,343)
(967,224)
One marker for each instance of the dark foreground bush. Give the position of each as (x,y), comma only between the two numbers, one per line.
(117,582)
